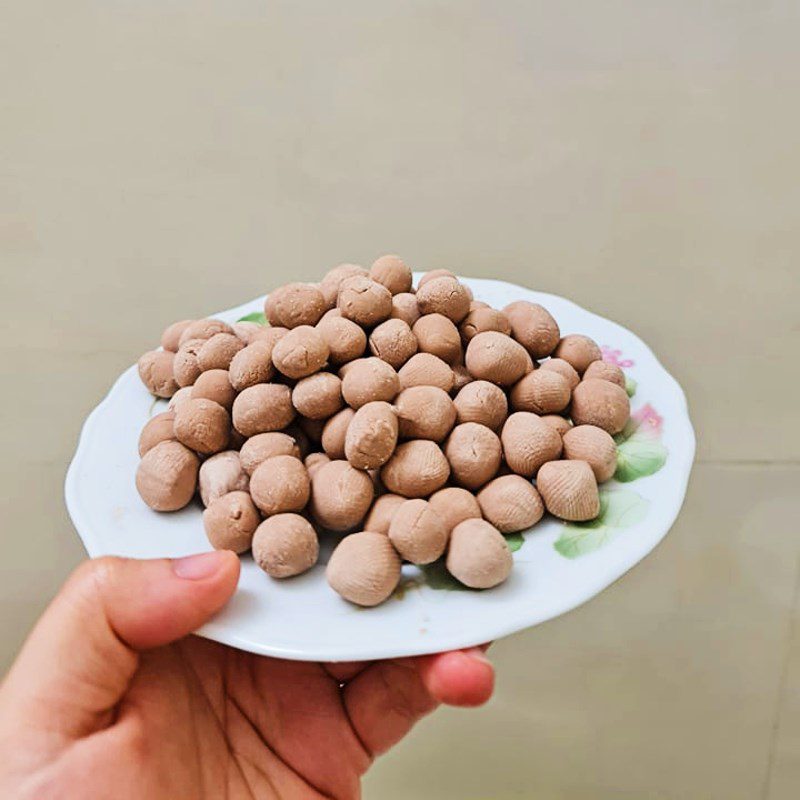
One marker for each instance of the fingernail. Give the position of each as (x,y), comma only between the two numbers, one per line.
(199,566)
(477,654)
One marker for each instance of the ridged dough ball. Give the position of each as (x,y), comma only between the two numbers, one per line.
(438,335)
(594,446)
(482,402)
(569,490)
(494,357)
(601,403)
(393,273)
(295,304)
(341,496)
(202,425)
(533,327)
(318,396)
(474,453)
(417,468)
(511,503)
(446,296)
(262,446)
(364,301)
(285,545)
(218,351)
(578,350)
(528,443)
(230,522)
(425,412)
(393,342)
(262,408)
(478,555)
(404,307)
(454,504)
(563,368)
(369,379)
(604,371)
(156,370)
(425,369)
(417,532)
(541,391)
(382,511)
(334,433)
(252,365)
(160,428)
(364,568)
(280,484)
(346,341)
(167,476)
(215,385)
(557,422)
(302,352)
(371,436)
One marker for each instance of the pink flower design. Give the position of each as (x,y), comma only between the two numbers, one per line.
(648,420)
(614,357)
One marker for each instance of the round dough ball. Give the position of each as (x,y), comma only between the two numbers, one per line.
(393,342)
(438,335)
(202,425)
(318,396)
(563,368)
(218,351)
(433,275)
(579,351)
(425,369)
(528,443)
(482,402)
(446,296)
(494,357)
(511,503)
(569,490)
(203,329)
(454,505)
(159,428)
(341,496)
(417,468)
(252,365)
(171,337)
(334,433)
(330,284)
(167,476)
(220,474)
(482,319)
(391,272)
(263,407)
(295,304)
(371,436)
(156,369)
(247,331)
(262,446)
(542,392)
(368,379)
(313,461)
(364,301)
(417,532)
(364,568)
(594,446)
(474,453)
(270,334)
(381,513)
(558,423)
(280,484)
(181,396)
(184,366)
(230,522)
(425,412)
(533,327)
(214,385)
(601,403)
(285,545)
(301,352)
(478,555)
(404,307)
(346,341)
(604,371)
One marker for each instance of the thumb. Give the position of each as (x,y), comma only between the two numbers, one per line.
(81,655)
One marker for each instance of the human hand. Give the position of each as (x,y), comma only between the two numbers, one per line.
(110,697)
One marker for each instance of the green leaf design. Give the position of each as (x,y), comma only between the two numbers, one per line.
(637,458)
(437,577)
(514,541)
(630,386)
(619,509)
(255,316)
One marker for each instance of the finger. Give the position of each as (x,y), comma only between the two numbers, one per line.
(81,655)
(344,671)
(389,697)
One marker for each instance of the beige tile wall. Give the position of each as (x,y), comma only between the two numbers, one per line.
(169,159)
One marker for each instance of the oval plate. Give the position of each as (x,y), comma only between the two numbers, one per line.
(557,566)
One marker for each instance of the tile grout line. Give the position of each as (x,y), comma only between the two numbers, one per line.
(782,685)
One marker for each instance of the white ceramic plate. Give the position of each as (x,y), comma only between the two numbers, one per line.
(556,568)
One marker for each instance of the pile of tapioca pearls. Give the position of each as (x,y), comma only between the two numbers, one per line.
(413,421)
